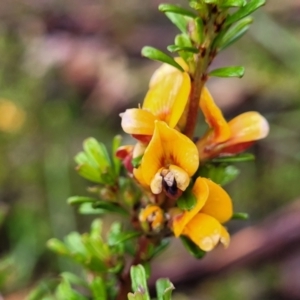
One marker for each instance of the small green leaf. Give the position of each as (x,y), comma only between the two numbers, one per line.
(199,29)
(74,279)
(57,246)
(115,228)
(220,174)
(115,239)
(182,40)
(136,296)
(211,1)
(244,11)
(240,216)
(195,4)
(161,247)
(229,174)
(175,48)
(94,264)
(98,289)
(96,247)
(81,158)
(187,201)
(235,32)
(116,161)
(147,268)
(88,209)
(97,153)
(181,22)
(119,264)
(89,173)
(139,281)
(233,3)
(158,55)
(110,207)
(74,243)
(80,199)
(228,72)
(176,9)
(96,229)
(94,163)
(42,290)
(233,159)
(164,288)
(192,248)
(137,161)
(64,291)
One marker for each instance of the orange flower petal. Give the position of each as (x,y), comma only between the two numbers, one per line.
(137,173)
(249,126)
(225,237)
(168,146)
(204,231)
(138,121)
(151,218)
(214,118)
(201,191)
(165,69)
(218,203)
(167,98)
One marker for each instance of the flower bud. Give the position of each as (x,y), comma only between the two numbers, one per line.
(152,218)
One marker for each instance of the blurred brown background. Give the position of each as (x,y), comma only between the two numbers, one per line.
(68,68)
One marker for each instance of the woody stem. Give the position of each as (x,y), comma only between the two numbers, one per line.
(199,77)
(140,257)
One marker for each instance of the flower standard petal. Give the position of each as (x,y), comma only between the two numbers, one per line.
(201,191)
(204,231)
(214,118)
(218,204)
(165,70)
(247,127)
(137,173)
(167,98)
(138,121)
(168,146)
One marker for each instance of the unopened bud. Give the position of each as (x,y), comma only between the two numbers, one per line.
(152,218)
(107,194)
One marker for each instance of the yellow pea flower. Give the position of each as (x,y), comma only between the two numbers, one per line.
(12,117)
(166,99)
(203,223)
(226,138)
(169,161)
(152,218)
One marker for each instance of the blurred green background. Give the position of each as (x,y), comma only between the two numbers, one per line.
(68,68)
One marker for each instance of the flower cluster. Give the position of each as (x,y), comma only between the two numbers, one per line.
(164,161)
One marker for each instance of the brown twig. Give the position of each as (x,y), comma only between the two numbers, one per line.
(140,257)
